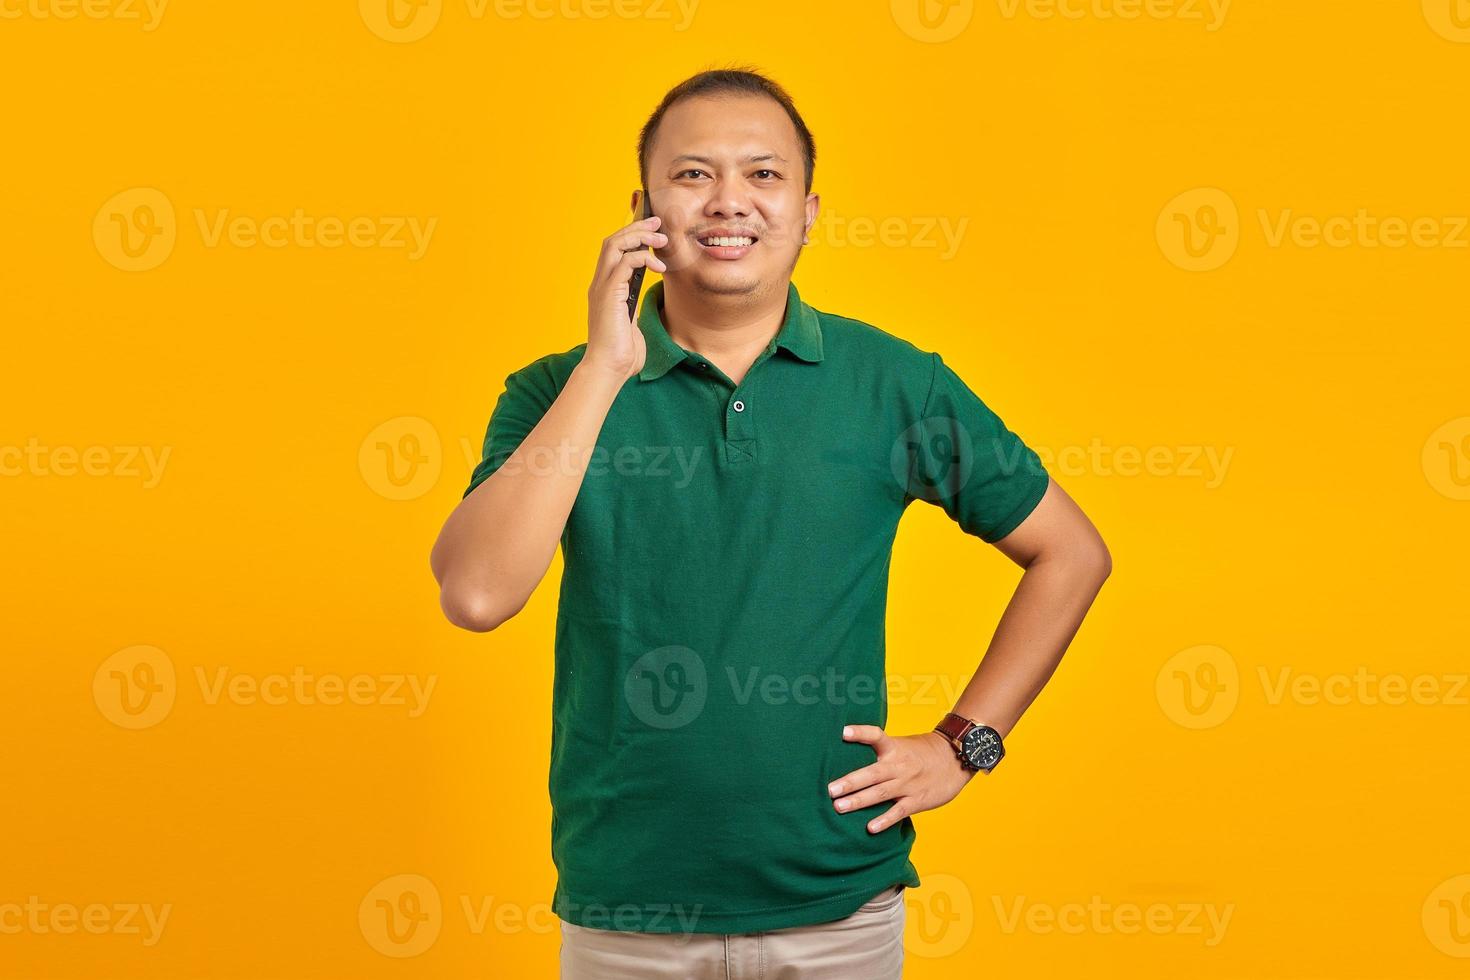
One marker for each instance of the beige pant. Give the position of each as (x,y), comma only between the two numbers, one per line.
(867,945)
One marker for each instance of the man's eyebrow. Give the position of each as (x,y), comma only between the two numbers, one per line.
(754,158)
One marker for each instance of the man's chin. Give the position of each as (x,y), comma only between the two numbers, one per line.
(726,283)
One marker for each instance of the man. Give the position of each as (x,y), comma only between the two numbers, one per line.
(725,477)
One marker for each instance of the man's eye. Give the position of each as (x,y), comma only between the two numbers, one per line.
(687,172)
(764,174)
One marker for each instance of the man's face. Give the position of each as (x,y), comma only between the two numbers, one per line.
(729,167)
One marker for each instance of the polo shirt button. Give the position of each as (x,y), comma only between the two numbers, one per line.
(739,405)
(703,366)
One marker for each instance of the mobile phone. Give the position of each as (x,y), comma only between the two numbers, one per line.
(635,284)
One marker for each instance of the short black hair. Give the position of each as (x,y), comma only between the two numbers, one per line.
(728,81)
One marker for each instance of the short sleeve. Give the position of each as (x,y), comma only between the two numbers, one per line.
(965,460)
(528,393)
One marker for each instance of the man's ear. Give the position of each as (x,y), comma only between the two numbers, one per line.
(635,204)
(813,205)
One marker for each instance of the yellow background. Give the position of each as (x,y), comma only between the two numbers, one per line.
(1163,770)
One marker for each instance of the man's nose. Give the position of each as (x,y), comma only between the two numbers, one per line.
(730,199)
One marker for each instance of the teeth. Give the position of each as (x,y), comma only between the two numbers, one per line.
(727,241)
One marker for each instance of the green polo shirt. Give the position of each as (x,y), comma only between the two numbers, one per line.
(722,615)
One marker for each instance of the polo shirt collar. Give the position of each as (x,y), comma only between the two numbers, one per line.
(800,333)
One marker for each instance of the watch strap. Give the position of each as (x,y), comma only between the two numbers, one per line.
(954,727)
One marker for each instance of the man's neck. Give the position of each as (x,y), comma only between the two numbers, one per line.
(728,331)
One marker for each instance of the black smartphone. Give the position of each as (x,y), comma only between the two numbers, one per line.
(635,284)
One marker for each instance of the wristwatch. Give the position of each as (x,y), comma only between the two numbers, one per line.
(978,746)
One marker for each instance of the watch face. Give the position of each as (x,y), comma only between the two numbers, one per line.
(982,747)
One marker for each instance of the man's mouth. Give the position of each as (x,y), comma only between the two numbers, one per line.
(727,240)
(727,246)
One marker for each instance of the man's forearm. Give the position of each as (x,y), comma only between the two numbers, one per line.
(1038,624)
(499,541)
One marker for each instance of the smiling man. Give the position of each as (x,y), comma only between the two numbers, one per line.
(726,800)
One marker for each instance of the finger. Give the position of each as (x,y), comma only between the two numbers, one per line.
(887,790)
(620,274)
(890,817)
(858,779)
(637,260)
(870,734)
(610,266)
(634,237)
